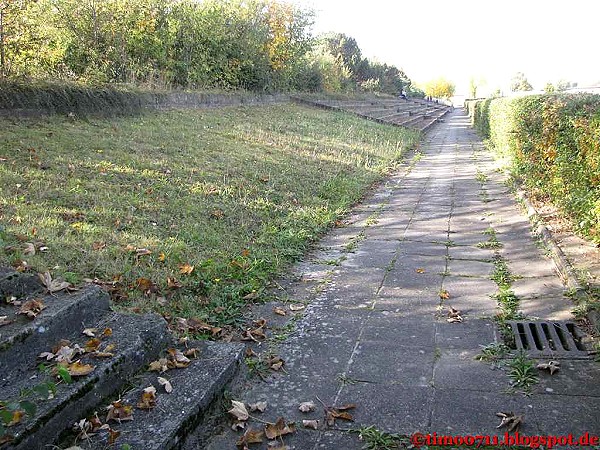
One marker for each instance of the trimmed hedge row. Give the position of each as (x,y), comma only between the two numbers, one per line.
(553,142)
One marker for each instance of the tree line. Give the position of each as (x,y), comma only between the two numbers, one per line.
(259,45)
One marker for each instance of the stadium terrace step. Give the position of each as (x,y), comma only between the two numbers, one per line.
(73,356)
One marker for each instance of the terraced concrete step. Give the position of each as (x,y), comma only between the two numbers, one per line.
(24,338)
(20,285)
(176,414)
(137,340)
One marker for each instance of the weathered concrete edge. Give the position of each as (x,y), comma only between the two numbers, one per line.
(561,262)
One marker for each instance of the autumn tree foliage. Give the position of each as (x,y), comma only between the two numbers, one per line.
(227,44)
(439,88)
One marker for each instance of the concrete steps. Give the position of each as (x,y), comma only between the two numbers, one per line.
(44,401)
(410,113)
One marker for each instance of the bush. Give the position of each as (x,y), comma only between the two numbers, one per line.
(554,144)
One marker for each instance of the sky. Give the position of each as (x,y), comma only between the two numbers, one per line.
(489,41)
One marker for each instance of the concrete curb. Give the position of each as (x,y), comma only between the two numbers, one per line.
(561,262)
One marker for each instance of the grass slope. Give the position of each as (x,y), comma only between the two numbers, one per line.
(136,202)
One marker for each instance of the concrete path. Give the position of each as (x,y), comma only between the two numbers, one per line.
(377,336)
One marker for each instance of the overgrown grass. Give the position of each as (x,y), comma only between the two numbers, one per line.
(235,193)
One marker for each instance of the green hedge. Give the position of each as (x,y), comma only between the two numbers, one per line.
(553,142)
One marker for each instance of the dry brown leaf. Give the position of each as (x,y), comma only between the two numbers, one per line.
(239,410)
(113,435)
(172,283)
(97,246)
(28,249)
(92,345)
(251,436)
(551,366)
(142,252)
(186,269)
(148,398)
(444,294)
(297,307)
(145,285)
(90,332)
(454,316)
(276,445)
(314,424)
(279,428)
(4,320)
(258,406)
(251,296)
(306,407)
(192,352)
(166,384)
(31,308)
(17,416)
(107,333)
(510,420)
(77,369)
(280,311)
(177,359)
(119,412)
(275,363)
(162,365)
(420,270)
(238,425)
(52,285)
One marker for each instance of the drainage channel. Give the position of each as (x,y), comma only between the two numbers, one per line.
(549,339)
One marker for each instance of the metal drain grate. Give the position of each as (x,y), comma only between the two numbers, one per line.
(551,339)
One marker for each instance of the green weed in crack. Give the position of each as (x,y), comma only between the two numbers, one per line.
(522,372)
(375,439)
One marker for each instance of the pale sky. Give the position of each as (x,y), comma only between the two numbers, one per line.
(459,39)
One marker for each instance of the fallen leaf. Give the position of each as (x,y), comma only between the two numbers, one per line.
(454,315)
(52,285)
(162,257)
(31,308)
(16,418)
(92,345)
(217,214)
(172,283)
(551,366)
(90,332)
(192,352)
(177,359)
(148,399)
(238,425)
(251,296)
(145,285)
(510,420)
(245,253)
(314,424)
(339,412)
(239,410)
(307,407)
(77,369)
(159,366)
(28,249)
(279,428)
(119,412)
(444,294)
(97,246)
(420,270)
(280,311)
(166,384)
(258,406)
(4,320)
(113,436)
(276,445)
(251,436)
(297,307)
(186,269)
(142,252)
(275,363)
(250,353)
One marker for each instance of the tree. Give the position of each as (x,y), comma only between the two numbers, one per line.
(519,83)
(439,88)
(549,88)
(474,85)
